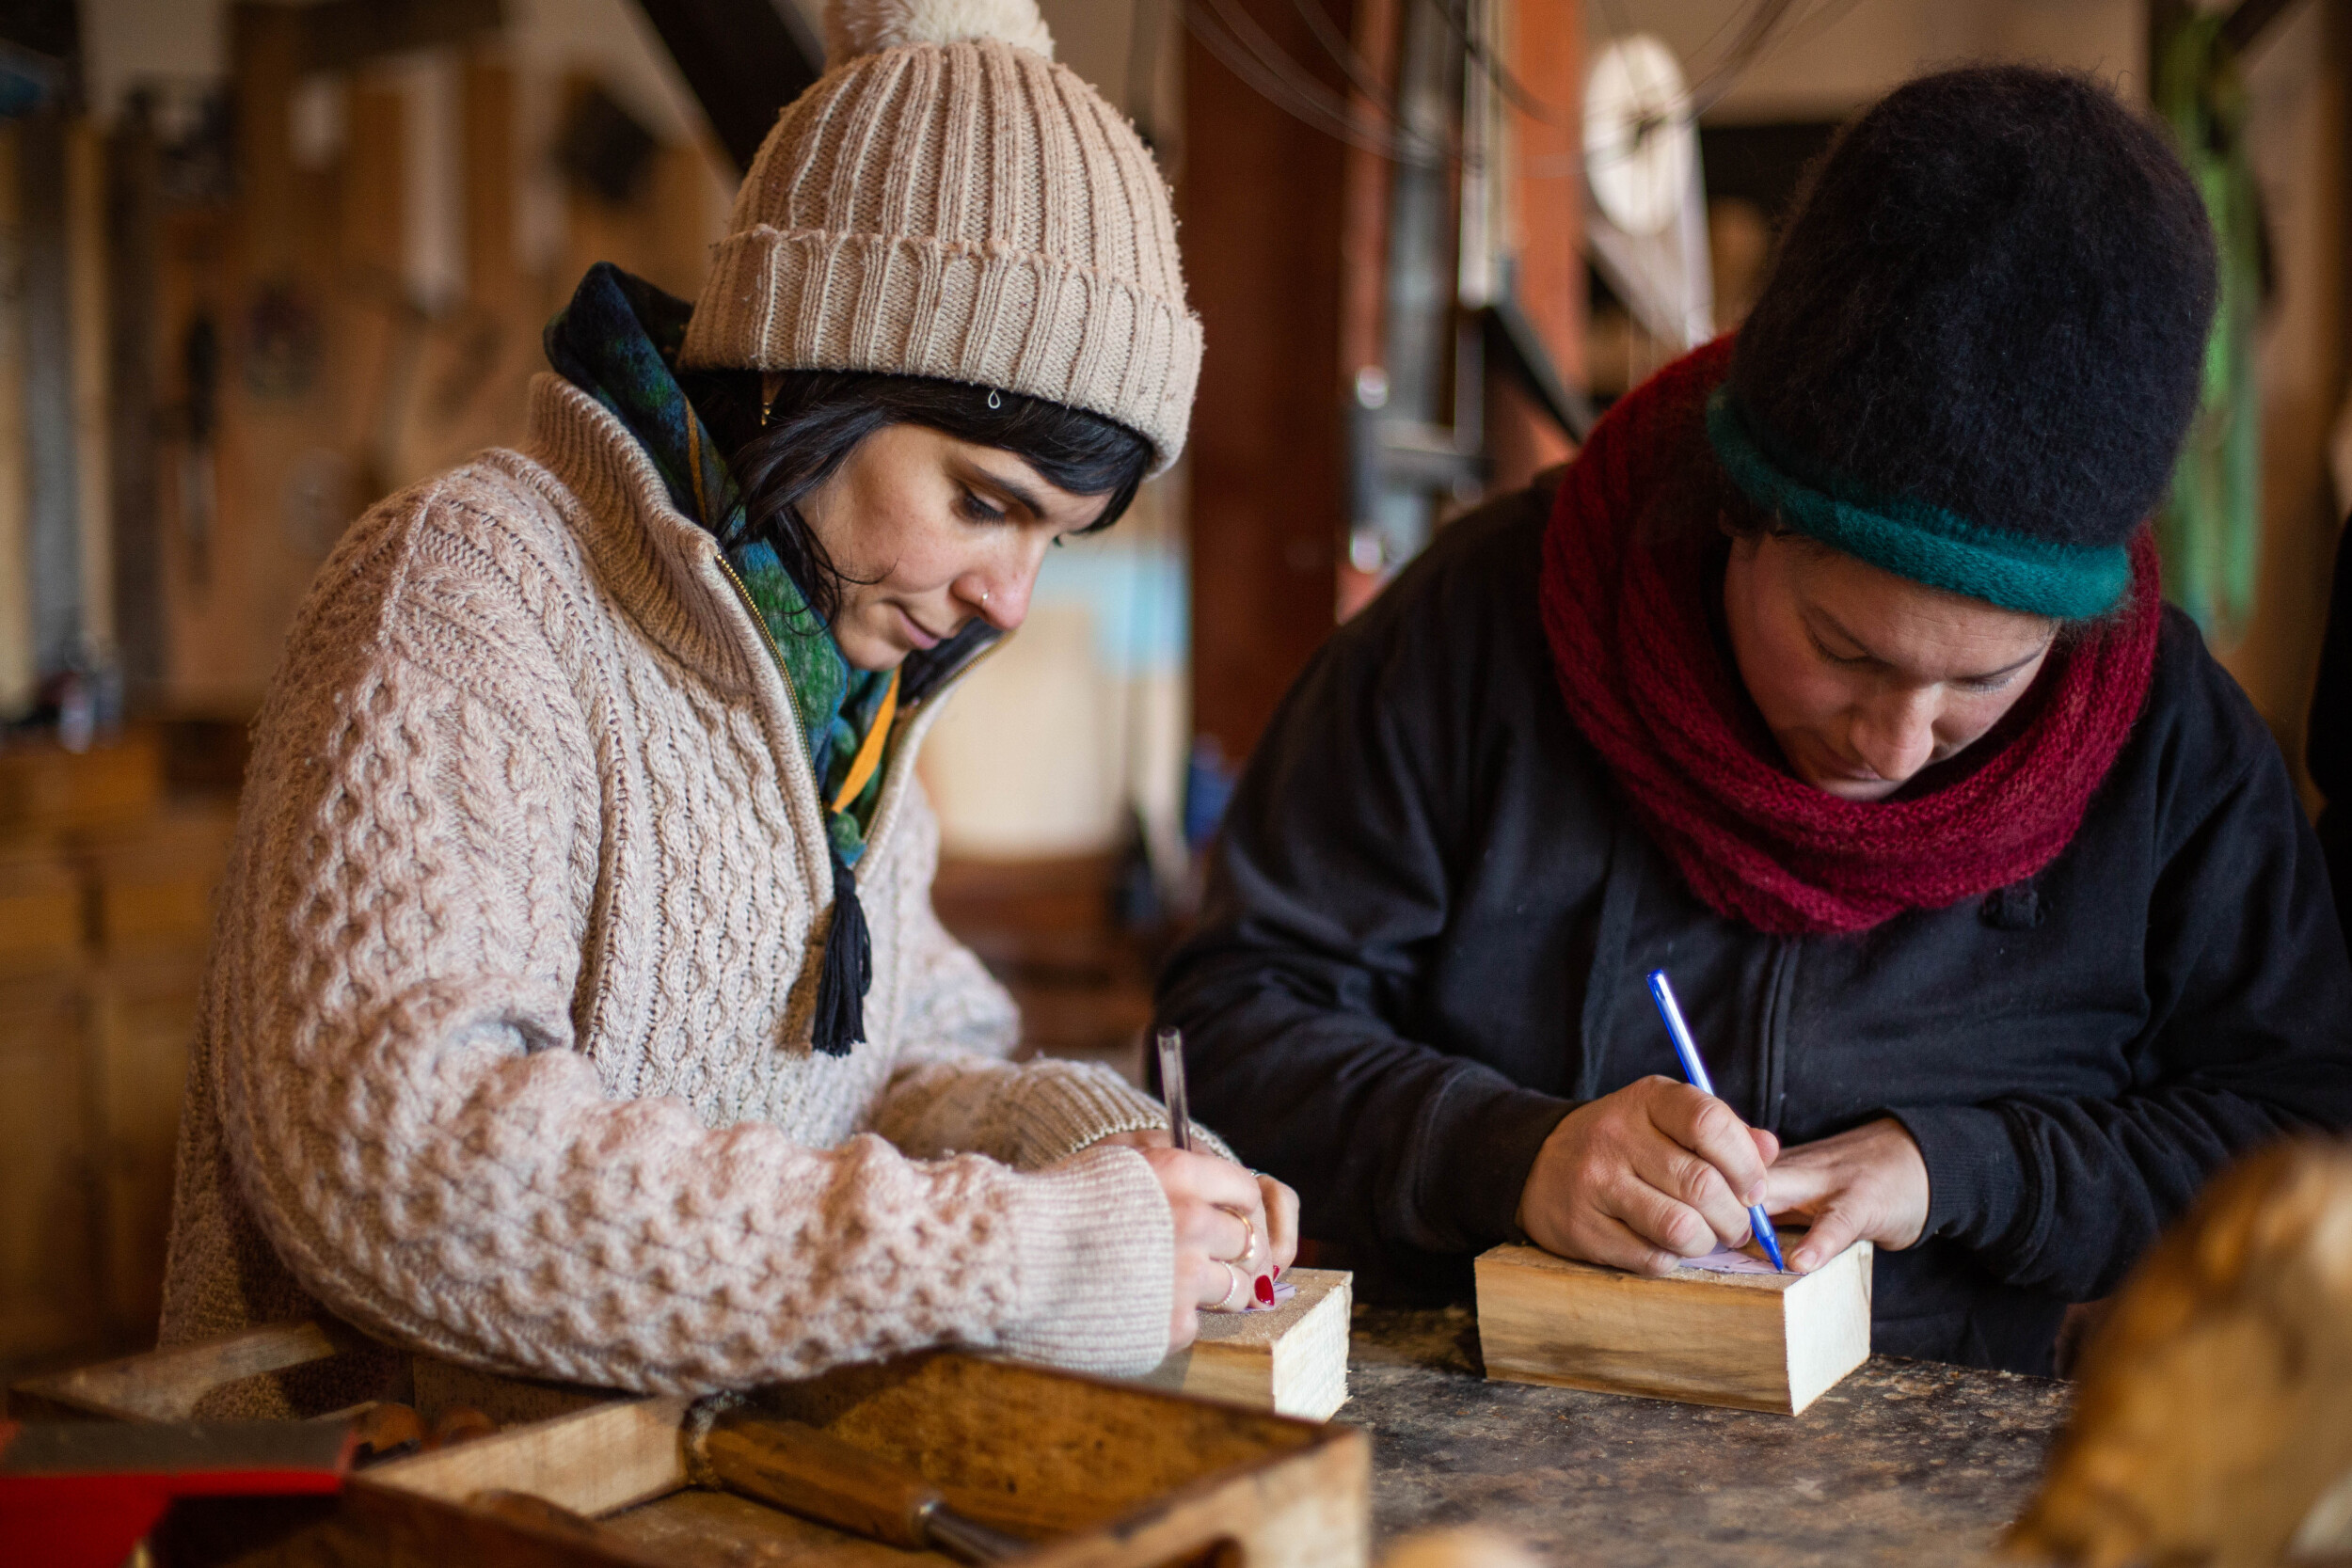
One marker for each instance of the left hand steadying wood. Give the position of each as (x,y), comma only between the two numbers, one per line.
(1866,1184)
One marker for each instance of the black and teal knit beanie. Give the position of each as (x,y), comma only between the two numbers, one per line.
(1978,347)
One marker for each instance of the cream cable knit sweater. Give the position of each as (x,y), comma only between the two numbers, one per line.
(505,1046)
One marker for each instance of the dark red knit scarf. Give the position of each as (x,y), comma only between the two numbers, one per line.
(1625,609)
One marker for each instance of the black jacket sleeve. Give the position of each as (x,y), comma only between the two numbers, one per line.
(2248,1033)
(1329,889)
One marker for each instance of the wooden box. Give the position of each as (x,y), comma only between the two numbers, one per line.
(1291,1360)
(1099,1474)
(1758,1341)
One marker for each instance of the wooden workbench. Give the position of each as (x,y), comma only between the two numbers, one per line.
(1908,1462)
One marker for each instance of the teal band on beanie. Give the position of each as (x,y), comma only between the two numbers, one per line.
(1923,543)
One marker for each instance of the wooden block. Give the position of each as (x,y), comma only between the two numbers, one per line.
(1291,1360)
(1756,1341)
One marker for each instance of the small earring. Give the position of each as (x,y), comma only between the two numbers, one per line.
(994,402)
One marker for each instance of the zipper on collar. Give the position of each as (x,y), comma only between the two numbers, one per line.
(879,832)
(791,701)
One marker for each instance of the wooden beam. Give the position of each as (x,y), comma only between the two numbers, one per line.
(488,90)
(1262,201)
(744,61)
(337,35)
(1546,49)
(134,204)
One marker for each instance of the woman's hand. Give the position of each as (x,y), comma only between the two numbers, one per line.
(1866,1185)
(1642,1177)
(1223,1214)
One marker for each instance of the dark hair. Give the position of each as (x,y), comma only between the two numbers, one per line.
(817,418)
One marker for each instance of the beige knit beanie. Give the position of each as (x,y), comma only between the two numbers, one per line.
(947,201)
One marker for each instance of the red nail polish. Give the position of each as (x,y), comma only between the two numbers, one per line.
(1265,1289)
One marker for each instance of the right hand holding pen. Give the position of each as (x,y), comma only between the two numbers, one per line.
(1639,1179)
(1235,1232)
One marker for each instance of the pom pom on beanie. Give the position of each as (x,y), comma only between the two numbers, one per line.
(947,201)
(1980,346)
(858,28)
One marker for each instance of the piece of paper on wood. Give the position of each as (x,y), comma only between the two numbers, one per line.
(1725,1260)
(1282,1293)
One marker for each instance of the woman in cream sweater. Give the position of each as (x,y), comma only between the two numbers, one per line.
(576,1006)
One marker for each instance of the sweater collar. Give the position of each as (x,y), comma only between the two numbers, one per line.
(618,341)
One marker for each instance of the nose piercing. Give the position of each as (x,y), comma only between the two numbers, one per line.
(983,595)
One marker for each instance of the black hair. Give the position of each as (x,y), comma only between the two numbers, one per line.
(782,452)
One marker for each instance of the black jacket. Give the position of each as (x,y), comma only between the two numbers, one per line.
(1429,915)
(2327,745)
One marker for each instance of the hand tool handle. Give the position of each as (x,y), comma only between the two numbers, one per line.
(798,1468)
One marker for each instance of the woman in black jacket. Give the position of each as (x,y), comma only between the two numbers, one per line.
(1832,679)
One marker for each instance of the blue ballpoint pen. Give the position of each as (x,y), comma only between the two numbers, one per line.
(1696,1071)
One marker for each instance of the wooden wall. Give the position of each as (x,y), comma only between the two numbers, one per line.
(106,891)
(340,377)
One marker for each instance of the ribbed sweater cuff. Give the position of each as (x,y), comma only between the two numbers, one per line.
(1097,1252)
(1976,1181)
(1065,1106)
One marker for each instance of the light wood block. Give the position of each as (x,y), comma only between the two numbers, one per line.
(1291,1360)
(1773,1342)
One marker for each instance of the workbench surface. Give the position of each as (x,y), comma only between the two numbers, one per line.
(1909,1462)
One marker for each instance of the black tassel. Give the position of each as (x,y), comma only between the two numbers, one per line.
(849,968)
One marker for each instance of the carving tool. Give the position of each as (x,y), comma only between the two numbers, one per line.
(795,1466)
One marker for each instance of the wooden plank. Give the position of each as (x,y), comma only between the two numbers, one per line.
(138,537)
(1087,1452)
(1308,1511)
(1772,1342)
(48,1261)
(86,296)
(16,606)
(489,87)
(166,1384)
(695,1526)
(595,1461)
(143,1018)
(1291,1361)
(46,788)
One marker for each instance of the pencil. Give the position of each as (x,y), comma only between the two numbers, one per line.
(1696,1071)
(1171,1043)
